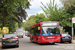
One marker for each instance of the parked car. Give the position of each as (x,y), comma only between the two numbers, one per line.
(66,38)
(10,40)
(28,35)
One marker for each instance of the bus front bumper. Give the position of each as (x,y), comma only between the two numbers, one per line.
(50,40)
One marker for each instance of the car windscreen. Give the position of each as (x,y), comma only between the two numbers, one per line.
(65,34)
(9,35)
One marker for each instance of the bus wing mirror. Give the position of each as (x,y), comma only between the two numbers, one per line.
(38,28)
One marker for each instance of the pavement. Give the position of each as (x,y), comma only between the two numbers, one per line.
(26,44)
(0,44)
(73,41)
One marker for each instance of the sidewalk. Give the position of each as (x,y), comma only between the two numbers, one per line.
(73,41)
(0,36)
(0,44)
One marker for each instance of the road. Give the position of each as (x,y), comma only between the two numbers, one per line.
(26,44)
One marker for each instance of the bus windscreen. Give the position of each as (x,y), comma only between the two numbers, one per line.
(50,29)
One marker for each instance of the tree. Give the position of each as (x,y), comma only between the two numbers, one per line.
(62,15)
(12,11)
(33,19)
(69,9)
(38,17)
(51,11)
(16,8)
(27,24)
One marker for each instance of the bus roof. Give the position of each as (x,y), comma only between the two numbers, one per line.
(42,22)
(35,25)
(50,21)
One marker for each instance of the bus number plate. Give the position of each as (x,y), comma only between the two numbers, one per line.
(51,42)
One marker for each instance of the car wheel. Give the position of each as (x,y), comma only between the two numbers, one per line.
(70,41)
(2,47)
(61,41)
(22,36)
(17,46)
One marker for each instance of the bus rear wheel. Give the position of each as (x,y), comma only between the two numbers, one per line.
(37,40)
(32,39)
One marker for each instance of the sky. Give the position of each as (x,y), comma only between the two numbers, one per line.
(35,6)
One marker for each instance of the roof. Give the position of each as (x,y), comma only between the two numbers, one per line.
(43,22)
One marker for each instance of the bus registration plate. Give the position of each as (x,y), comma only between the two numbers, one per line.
(51,42)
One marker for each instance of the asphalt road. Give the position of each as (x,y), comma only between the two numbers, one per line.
(26,44)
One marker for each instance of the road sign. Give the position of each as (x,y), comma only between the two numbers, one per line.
(73,20)
(5,30)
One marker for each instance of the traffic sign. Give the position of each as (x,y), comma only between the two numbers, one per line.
(73,20)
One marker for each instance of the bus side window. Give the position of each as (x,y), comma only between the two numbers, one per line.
(32,31)
(35,31)
(38,30)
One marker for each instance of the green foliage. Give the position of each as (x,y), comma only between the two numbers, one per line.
(68,14)
(33,19)
(16,24)
(51,11)
(0,31)
(38,17)
(63,15)
(27,24)
(9,13)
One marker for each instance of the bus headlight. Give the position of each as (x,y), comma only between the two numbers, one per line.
(58,38)
(43,38)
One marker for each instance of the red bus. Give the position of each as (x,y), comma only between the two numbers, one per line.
(45,32)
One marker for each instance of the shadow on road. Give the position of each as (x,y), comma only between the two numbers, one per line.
(65,43)
(43,43)
(47,44)
(9,47)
